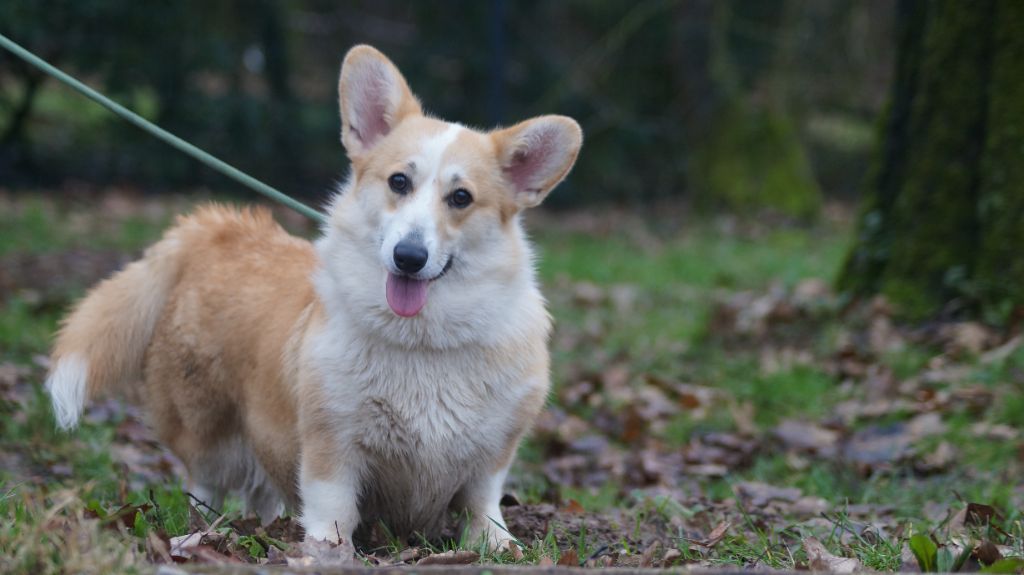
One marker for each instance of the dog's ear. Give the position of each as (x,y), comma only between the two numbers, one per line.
(536,154)
(374,98)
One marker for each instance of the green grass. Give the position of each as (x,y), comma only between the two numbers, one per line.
(670,278)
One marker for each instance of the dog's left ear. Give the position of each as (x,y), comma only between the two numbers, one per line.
(536,155)
(373,97)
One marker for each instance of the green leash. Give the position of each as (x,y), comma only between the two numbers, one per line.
(163,135)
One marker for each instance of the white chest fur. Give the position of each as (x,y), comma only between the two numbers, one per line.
(423,422)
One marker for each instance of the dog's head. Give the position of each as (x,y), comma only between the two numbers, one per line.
(437,201)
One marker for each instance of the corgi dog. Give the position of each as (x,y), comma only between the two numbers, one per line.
(385,372)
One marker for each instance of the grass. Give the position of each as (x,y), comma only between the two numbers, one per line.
(658,286)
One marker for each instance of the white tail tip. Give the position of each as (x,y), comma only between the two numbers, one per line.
(66,385)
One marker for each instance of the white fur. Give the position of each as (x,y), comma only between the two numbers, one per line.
(484,498)
(416,214)
(423,406)
(333,511)
(414,414)
(67,387)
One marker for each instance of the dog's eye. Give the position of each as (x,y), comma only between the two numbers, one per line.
(399,183)
(460,198)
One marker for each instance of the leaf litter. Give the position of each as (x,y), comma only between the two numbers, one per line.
(614,428)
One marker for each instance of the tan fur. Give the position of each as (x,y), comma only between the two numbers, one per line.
(274,367)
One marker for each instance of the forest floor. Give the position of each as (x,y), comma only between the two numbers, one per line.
(715,404)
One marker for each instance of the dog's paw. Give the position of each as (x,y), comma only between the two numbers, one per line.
(497,542)
(317,552)
(500,545)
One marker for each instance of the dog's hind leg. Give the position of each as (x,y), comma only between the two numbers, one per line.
(264,500)
(206,497)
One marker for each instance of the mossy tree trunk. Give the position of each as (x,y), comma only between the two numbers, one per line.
(942,226)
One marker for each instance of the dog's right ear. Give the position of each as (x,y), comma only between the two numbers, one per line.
(373,97)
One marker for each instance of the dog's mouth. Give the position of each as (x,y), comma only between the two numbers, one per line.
(407,295)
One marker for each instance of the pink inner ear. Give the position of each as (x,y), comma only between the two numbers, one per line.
(531,162)
(370,107)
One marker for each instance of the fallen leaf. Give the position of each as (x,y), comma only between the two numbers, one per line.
(967,337)
(973,514)
(587,294)
(997,431)
(208,554)
(819,559)
(760,494)
(461,557)
(1002,352)
(713,538)
(939,459)
(805,436)
(573,507)
(409,554)
(185,546)
(569,559)
(158,547)
(647,557)
(670,557)
(316,552)
(516,552)
(987,552)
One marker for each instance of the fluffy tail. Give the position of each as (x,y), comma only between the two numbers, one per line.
(101,344)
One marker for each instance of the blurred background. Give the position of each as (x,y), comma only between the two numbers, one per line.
(728,104)
(785,272)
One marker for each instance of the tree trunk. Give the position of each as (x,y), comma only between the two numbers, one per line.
(941,222)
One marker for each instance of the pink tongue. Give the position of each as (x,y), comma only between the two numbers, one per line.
(406,295)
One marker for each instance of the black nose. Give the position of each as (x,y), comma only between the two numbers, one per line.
(410,257)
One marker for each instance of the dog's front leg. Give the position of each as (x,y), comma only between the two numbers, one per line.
(481,498)
(330,486)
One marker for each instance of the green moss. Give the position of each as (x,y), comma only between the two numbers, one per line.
(869,255)
(753,160)
(942,213)
(999,278)
(933,220)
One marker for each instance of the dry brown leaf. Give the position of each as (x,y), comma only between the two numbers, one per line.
(516,552)
(973,514)
(158,548)
(967,337)
(1002,352)
(760,494)
(670,557)
(587,294)
(647,558)
(209,554)
(275,556)
(713,538)
(997,431)
(545,561)
(806,436)
(819,559)
(939,459)
(569,559)
(987,552)
(184,546)
(743,417)
(314,552)
(573,507)
(409,554)
(461,557)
